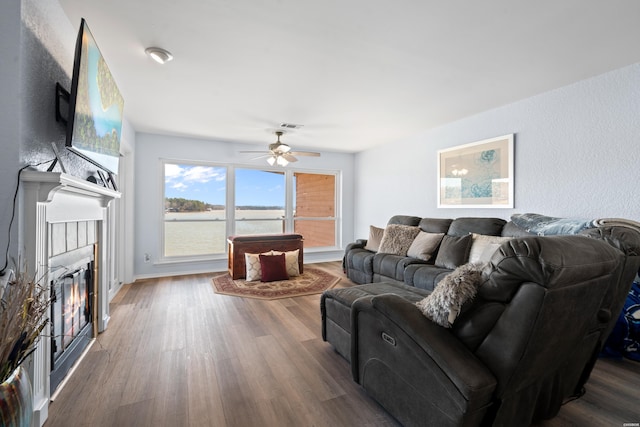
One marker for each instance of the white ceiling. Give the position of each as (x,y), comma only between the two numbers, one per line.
(355,73)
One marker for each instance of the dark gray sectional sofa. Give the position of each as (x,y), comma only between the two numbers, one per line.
(526,342)
(365,266)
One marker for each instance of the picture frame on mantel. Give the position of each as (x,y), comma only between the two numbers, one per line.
(103,178)
(477,175)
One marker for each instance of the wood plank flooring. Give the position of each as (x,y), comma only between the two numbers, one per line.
(177,354)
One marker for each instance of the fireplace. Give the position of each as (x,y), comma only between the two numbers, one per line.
(71,277)
(68,229)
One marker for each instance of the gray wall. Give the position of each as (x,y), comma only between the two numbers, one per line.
(9,120)
(576,155)
(149,209)
(36,51)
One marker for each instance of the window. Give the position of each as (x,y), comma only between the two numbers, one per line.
(315,208)
(260,202)
(203,204)
(194,210)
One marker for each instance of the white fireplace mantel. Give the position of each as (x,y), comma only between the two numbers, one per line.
(50,198)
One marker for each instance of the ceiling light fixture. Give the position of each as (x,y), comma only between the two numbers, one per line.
(159,54)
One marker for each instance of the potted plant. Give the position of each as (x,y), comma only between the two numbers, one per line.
(24,313)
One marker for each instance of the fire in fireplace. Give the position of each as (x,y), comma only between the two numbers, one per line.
(72,287)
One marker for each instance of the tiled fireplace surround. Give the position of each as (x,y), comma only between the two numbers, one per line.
(61,213)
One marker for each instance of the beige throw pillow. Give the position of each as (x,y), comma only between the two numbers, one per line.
(375,236)
(424,245)
(397,239)
(291,261)
(483,247)
(252,262)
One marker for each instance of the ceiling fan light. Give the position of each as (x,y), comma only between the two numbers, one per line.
(159,54)
(281,161)
(271,160)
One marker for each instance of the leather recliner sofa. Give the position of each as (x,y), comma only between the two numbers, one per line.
(526,342)
(365,266)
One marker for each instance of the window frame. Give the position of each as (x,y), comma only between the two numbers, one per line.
(230,217)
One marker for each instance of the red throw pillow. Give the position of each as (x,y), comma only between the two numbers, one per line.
(274,267)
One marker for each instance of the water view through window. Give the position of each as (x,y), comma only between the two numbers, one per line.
(197,219)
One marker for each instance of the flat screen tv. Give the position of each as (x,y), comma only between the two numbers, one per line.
(94,123)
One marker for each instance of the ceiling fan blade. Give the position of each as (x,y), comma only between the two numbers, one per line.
(264,156)
(289,157)
(305,153)
(261,151)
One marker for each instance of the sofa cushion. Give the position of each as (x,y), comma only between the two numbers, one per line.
(397,239)
(404,220)
(424,245)
(375,237)
(391,266)
(454,251)
(424,276)
(486,226)
(482,247)
(512,230)
(444,303)
(435,225)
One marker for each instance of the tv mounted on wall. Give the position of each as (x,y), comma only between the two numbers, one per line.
(94,122)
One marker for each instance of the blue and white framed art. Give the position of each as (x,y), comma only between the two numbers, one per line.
(477,175)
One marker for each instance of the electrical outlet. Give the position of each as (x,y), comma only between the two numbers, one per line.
(147,258)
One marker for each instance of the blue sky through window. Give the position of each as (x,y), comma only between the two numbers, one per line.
(208,184)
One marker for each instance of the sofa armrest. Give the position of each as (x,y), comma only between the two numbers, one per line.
(393,331)
(358,244)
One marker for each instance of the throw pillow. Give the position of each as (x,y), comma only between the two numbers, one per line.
(273,268)
(252,262)
(375,236)
(424,245)
(443,305)
(483,247)
(397,239)
(453,252)
(291,259)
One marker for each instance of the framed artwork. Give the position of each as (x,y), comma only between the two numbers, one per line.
(103,178)
(477,175)
(112,181)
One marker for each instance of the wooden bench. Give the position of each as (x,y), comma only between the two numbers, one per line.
(255,244)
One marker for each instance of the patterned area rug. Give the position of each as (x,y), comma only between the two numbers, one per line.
(313,281)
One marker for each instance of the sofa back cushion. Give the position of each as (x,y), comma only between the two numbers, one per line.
(486,226)
(435,225)
(404,220)
(512,230)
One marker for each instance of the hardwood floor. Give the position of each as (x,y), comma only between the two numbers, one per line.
(177,354)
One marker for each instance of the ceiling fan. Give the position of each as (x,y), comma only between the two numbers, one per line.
(280,153)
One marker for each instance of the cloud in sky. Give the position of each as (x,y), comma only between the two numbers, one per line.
(208,184)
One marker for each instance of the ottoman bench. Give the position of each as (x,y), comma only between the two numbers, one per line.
(335,307)
(239,245)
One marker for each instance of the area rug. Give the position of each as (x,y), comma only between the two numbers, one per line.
(313,281)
